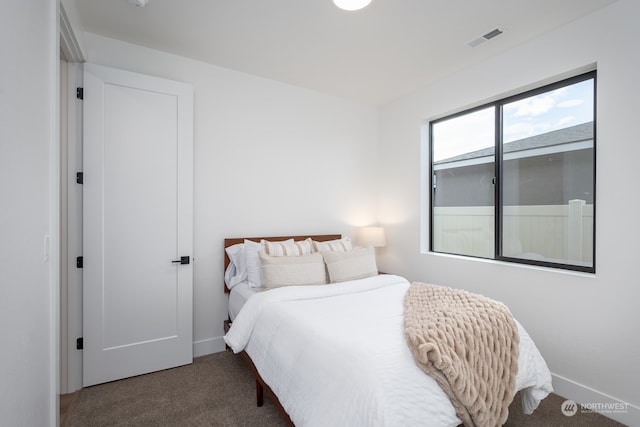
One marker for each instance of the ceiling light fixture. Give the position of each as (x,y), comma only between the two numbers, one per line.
(351,4)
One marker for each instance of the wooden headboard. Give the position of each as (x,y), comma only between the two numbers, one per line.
(236,240)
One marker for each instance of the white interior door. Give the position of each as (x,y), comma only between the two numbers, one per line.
(138,220)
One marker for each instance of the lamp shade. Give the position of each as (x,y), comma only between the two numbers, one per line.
(373,236)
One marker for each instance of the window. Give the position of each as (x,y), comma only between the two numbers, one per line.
(514,180)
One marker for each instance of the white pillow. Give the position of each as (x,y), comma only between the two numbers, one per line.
(254,272)
(236,271)
(280,271)
(254,275)
(286,248)
(338,245)
(351,265)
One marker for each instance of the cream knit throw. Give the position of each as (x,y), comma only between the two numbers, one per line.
(469,344)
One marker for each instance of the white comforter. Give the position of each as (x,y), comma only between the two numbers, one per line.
(336,356)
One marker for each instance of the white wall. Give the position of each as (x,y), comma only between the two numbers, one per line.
(586,326)
(270,159)
(28,149)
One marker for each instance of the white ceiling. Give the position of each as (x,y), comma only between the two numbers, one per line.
(372,56)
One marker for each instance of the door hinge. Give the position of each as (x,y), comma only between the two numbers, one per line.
(80,92)
(79,343)
(79,262)
(79,178)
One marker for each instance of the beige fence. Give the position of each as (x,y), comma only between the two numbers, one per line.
(558,233)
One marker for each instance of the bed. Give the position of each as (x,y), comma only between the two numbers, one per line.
(337,354)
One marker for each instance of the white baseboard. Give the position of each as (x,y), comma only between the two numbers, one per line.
(590,399)
(208,346)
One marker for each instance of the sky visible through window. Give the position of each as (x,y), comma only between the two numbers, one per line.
(546,112)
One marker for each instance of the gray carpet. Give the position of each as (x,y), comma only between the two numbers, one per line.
(219,390)
(215,390)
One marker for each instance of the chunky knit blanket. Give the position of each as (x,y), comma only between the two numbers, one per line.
(469,344)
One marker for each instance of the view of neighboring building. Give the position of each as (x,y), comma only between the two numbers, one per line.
(542,174)
(565,156)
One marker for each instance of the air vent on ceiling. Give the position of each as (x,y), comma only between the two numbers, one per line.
(485,37)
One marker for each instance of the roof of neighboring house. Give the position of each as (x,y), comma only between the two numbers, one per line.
(577,133)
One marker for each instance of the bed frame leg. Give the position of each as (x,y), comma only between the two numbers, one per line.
(259,394)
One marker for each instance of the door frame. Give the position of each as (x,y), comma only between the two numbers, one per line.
(71,242)
(69,359)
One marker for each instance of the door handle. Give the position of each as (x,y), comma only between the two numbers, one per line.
(182,260)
